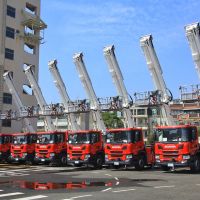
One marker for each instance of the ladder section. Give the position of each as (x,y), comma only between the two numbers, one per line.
(146,43)
(63,94)
(49,126)
(119,84)
(20,107)
(193,35)
(87,84)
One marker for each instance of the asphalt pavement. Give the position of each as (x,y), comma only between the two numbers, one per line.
(20,182)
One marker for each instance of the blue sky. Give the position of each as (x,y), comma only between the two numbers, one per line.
(90,25)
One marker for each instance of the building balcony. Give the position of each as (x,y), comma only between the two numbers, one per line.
(33,21)
(31,38)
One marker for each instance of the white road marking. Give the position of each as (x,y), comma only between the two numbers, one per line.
(164,186)
(198,184)
(10,194)
(116,178)
(108,175)
(124,190)
(106,190)
(117,183)
(89,195)
(1,190)
(31,197)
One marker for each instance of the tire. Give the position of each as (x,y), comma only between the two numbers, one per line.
(195,164)
(165,168)
(63,160)
(99,162)
(140,163)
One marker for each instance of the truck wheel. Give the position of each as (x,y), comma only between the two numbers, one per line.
(64,160)
(140,163)
(195,164)
(165,168)
(99,162)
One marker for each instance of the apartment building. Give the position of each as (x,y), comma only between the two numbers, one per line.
(20,38)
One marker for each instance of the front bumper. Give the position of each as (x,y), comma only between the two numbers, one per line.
(129,162)
(186,163)
(44,160)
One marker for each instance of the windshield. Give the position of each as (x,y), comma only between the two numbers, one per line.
(46,139)
(120,137)
(20,139)
(174,135)
(79,138)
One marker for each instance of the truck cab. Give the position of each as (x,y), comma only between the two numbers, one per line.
(23,147)
(85,148)
(126,147)
(5,143)
(177,146)
(51,148)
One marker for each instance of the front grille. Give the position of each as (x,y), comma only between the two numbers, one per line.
(17,151)
(77,152)
(78,155)
(116,155)
(43,151)
(117,152)
(170,152)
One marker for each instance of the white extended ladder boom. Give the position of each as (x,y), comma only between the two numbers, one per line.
(63,94)
(9,82)
(193,35)
(87,84)
(40,99)
(119,83)
(146,43)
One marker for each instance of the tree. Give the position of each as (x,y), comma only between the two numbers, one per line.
(111,120)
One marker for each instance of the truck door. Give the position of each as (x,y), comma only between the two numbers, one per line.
(96,143)
(139,143)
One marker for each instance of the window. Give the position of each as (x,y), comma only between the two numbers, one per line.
(30,8)
(6,123)
(11,11)
(10,32)
(7,98)
(9,54)
(141,111)
(29,48)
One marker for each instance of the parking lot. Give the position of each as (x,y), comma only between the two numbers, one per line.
(22,182)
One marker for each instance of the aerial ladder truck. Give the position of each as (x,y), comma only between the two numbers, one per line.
(193,35)
(175,145)
(51,145)
(124,146)
(22,147)
(86,146)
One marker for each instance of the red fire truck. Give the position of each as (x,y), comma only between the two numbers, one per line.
(85,147)
(51,147)
(23,147)
(5,143)
(126,147)
(177,146)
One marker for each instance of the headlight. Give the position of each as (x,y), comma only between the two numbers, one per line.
(24,154)
(157,157)
(0,153)
(129,156)
(68,156)
(106,156)
(87,156)
(186,157)
(52,154)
